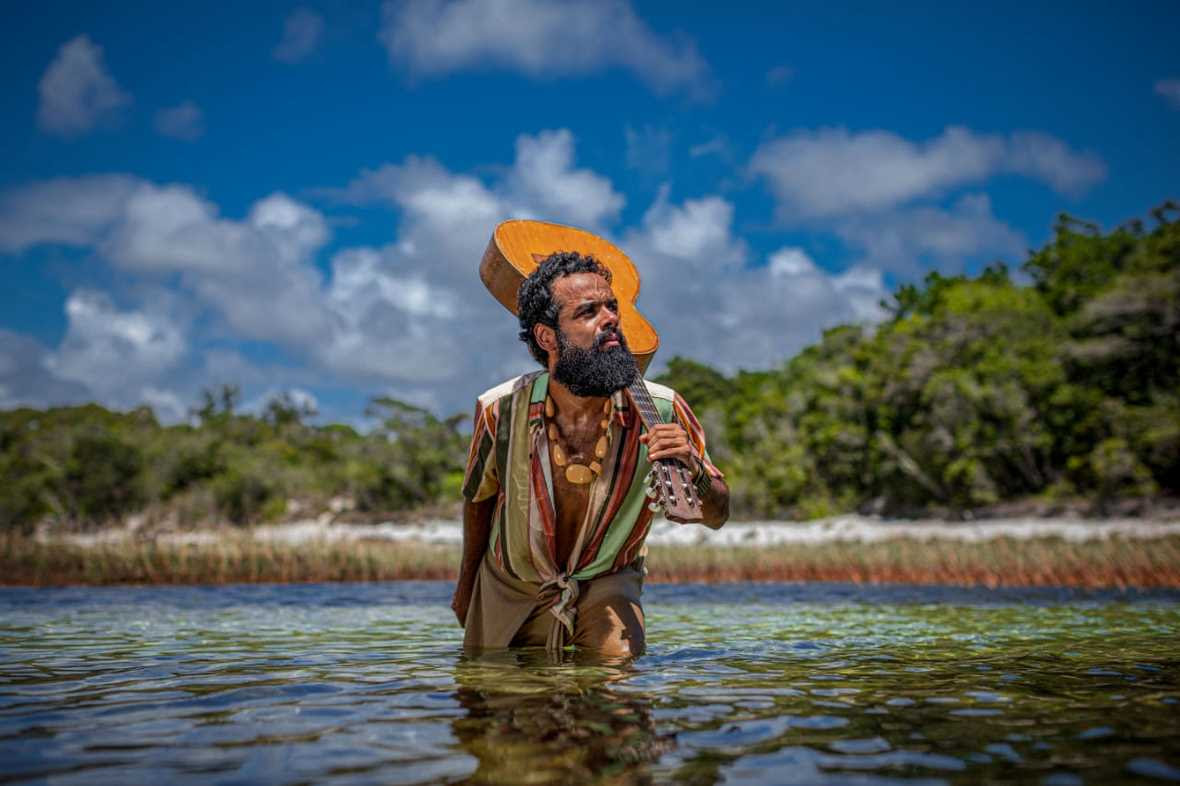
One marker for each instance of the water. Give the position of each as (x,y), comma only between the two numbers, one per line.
(350,684)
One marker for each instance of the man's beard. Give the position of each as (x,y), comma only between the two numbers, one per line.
(595,371)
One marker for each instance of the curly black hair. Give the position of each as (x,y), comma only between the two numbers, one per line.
(534,299)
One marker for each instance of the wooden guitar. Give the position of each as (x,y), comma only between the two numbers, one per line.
(515,250)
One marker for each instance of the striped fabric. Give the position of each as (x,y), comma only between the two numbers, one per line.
(509,459)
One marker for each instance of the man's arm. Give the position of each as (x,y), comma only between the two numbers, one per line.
(477,530)
(670,441)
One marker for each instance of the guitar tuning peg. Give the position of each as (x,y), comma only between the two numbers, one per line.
(654,507)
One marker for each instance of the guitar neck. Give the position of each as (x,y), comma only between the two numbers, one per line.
(644,405)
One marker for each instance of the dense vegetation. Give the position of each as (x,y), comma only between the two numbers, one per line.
(975,390)
(82,465)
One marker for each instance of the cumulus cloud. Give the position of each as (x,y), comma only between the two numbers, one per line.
(411,317)
(542,180)
(185,121)
(66,211)
(115,353)
(1169,89)
(834,172)
(76,92)
(25,378)
(302,31)
(434,37)
(167,404)
(544,177)
(909,240)
(699,229)
(717,146)
(385,317)
(711,301)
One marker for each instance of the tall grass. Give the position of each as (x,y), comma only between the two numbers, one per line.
(1116,562)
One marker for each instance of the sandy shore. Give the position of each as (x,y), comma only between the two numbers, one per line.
(849,529)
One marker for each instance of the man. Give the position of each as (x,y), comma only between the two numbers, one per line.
(555,513)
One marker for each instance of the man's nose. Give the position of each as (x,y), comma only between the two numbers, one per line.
(607,318)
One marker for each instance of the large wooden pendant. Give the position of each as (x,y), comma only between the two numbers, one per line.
(579,474)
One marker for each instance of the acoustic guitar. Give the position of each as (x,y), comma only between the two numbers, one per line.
(516,249)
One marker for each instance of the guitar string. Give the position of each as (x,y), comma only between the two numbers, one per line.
(648,412)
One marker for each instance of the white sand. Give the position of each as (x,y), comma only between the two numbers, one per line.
(837,529)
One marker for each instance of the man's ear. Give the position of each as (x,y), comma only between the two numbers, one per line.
(546,337)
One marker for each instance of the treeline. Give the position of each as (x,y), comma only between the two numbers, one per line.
(976,390)
(1063,384)
(88,465)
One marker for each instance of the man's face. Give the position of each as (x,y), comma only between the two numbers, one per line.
(593,358)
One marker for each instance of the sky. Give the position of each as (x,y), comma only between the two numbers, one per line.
(295,197)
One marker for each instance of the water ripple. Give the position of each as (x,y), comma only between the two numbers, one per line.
(351,684)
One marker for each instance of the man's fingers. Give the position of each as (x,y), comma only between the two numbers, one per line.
(667,440)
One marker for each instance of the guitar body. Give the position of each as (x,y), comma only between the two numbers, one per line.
(518,246)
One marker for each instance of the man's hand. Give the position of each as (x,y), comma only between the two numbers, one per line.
(477,529)
(670,441)
(461,600)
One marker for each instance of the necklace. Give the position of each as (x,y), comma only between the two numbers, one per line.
(575,473)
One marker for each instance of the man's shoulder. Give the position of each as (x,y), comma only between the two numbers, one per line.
(506,388)
(659,391)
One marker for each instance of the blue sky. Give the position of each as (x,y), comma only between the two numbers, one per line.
(295,197)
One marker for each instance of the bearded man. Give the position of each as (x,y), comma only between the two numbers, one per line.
(555,512)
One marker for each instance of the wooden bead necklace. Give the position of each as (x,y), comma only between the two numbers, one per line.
(579,474)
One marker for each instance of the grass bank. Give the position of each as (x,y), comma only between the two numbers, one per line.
(1115,562)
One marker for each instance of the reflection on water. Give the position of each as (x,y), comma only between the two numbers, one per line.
(529,713)
(346,684)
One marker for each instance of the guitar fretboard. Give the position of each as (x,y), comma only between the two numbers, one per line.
(643,403)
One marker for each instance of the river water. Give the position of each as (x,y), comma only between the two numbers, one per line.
(768,683)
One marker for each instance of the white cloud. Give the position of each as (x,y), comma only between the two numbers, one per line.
(25,379)
(834,172)
(302,31)
(386,316)
(169,407)
(185,121)
(1169,89)
(717,146)
(542,181)
(539,38)
(76,91)
(700,229)
(910,240)
(708,303)
(411,317)
(113,352)
(543,177)
(67,211)
(1050,160)
(791,261)
(392,323)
